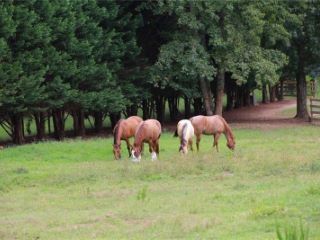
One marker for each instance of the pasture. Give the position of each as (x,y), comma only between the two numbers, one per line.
(76,190)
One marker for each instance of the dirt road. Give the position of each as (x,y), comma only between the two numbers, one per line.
(271,115)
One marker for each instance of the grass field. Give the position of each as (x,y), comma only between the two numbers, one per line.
(75,190)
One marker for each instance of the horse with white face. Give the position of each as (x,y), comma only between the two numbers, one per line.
(185,131)
(148,131)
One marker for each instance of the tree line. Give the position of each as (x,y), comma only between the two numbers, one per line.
(96,59)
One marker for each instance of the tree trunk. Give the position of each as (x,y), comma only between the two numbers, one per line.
(229,101)
(160,106)
(173,108)
(114,118)
(40,124)
(197,106)
(219,92)
(278,91)
(98,121)
(49,122)
(58,123)
(230,88)
(75,122)
(146,109)
(272,93)
(22,128)
(82,129)
(207,96)
(239,98)
(17,136)
(302,111)
(246,97)
(264,94)
(280,98)
(132,110)
(187,107)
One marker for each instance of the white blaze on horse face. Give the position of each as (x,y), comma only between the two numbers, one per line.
(134,158)
(153,156)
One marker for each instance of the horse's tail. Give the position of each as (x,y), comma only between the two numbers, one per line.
(228,130)
(116,131)
(184,130)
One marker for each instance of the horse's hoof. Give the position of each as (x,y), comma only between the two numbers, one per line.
(135,160)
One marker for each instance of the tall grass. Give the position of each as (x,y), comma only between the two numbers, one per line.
(292,232)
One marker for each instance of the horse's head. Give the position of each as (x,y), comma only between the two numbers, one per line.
(184,147)
(117,151)
(231,144)
(136,151)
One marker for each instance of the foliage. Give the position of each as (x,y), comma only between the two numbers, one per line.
(99,58)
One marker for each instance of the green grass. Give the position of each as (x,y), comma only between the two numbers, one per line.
(75,190)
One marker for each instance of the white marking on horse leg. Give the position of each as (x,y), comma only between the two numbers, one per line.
(153,156)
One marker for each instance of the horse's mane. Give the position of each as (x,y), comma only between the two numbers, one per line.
(228,130)
(116,131)
(137,138)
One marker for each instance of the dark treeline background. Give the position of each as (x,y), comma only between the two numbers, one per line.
(96,59)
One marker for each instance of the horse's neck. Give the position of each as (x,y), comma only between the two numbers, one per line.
(138,138)
(228,133)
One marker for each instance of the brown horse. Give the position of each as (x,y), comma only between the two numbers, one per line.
(124,129)
(212,125)
(148,131)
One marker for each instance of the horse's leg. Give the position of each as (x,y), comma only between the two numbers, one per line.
(190,144)
(150,146)
(198,141)
(156,144)
(216,138)
(142,148)
(128,146)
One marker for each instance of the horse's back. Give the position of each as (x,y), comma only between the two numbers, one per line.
(134,119)
(153,124)
(129,126)
(198,123)
(185,123)
(215,124)
(151,128)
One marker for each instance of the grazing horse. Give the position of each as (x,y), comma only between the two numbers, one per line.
(215,125)
(124,129)
(185,131)
(148,131)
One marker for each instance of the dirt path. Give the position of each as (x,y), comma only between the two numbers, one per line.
(264,116)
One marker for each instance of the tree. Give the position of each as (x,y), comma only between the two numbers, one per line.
(303,26)
(22,70)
